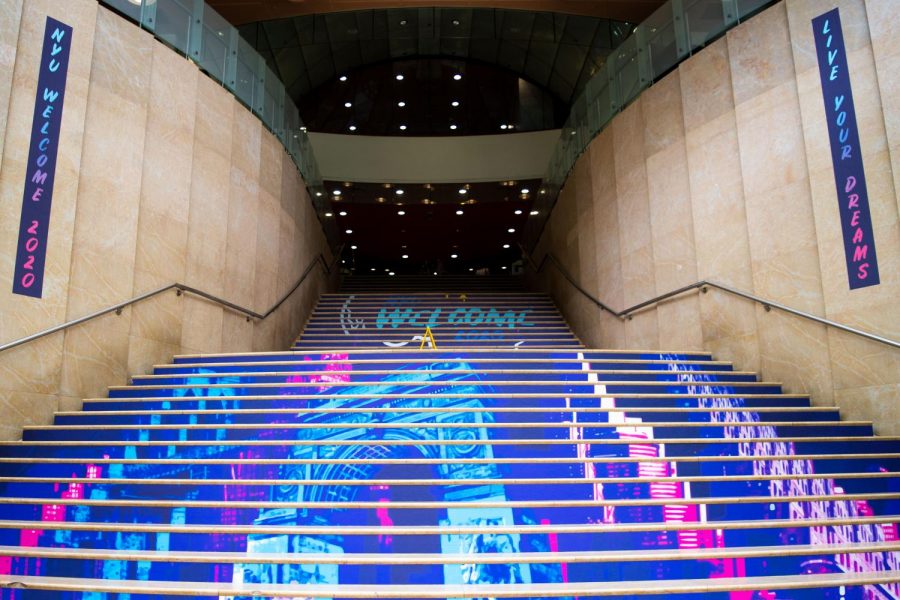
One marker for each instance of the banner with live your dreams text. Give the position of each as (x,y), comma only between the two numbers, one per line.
(846,154)
(40,171)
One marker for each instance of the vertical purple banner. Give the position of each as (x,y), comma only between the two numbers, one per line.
(40,171)
(846,155)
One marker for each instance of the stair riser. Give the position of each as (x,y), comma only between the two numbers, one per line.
(195,403)
(591,431)
(706,450)
(572,470)
(349,375)
(464,385)
(300,366)
(401,575)
(546,355)
(87,419)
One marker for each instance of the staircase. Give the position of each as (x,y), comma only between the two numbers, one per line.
(495,458)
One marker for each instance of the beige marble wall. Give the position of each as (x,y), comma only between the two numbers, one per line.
(722,171)
(162,177)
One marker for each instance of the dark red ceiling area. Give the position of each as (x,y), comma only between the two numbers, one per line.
(430,97)
(429,224)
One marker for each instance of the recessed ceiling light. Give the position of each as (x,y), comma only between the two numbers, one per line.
(372,269)
(511,230)
(457,77)
(403,128)
(343,213)
(455,103)
(506,246)
(454,256)
(510,126)
(391,273)
(471,268)
(435,273)
(459,212)
(401,212)
(543,191)
(401,104)
(353,247)
(348,104)
(403,22)
(399,192)
(348,231)
(405,256)
(534,212)
(399,77)
(503,127)
(463,190)
(455,22)
(352,128)
(343,78)
(503,267)
(526,191)
(319,194)
(336,192)
(518,212)
(329,214)
(453,127)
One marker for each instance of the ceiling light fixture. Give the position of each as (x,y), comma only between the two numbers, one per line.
(463,190)
(459,212)
(511,230)
(534,212)
(319,194)
(352,128)
(348,104)
(525,191)
(399,77)
(336,192)
(343,213)
(403,128)
(353,247)
(455,103)
(457,77)
(401,104)
(454,256)
(405,256)
(343,78)
(506,246)
(399,192)
(401,212)
(453,127)
(518,212)
(391,273)
(348,231)
(329,214)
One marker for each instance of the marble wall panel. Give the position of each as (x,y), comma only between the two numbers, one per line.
(106,219)
(24,315)
(158,181)
(24,408)
(10,16)
(884,27)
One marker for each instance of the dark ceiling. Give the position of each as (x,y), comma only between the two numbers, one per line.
(557,52)
(397,68)
(429,224)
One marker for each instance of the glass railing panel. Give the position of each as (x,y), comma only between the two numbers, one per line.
(213,46)
(627,72)
(173,23)
(662,44)
(748,7)
(132,10)
(704,19)
(245,72)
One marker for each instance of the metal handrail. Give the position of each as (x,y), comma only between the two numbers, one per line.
(181,288)
(702,285)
